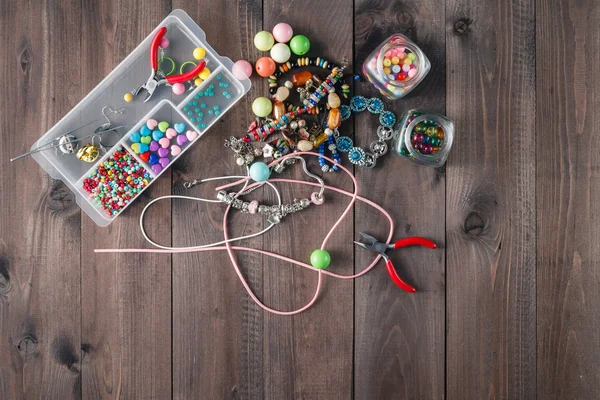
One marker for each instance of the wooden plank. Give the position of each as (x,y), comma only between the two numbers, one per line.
(399,340)
(126,298)
(39,223)
(294,362)
(568,187)
(490,204)
(224,344)
(210,315)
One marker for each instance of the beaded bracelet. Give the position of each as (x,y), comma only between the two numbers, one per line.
(302,62)
(260,133)
(275,213)
(378,147)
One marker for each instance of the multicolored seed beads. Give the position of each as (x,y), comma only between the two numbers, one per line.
(116,181)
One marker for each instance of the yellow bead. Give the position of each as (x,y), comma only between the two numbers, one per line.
(387,62)
(395,60)
(407,61)
(387,71)
(198,81)
(128,97)
(199,53)
(204,74)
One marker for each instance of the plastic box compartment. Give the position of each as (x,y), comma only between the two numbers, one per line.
(184,36)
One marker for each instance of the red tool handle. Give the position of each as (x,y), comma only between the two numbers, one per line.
(415,241)
(154,47)
(396,278)
(188,75)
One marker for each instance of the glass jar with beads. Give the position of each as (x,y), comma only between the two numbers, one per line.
(396,66)
(424,138)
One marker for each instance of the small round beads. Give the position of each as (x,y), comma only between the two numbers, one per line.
(116,181)
(427,137)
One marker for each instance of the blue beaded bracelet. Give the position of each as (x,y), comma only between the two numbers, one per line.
(379,147)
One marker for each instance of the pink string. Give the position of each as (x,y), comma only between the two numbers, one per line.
(229,248)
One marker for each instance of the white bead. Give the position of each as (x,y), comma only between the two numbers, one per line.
(301,123)
(294,125)
(328,132)
(288,84)
(239,161)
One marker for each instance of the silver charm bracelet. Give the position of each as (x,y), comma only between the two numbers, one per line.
(274,213)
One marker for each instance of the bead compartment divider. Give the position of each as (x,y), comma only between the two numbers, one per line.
(175,116)
(184,35)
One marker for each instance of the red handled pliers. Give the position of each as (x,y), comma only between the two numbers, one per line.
(384,249)
(153,81)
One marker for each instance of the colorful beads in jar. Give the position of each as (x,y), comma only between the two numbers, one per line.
(424,138)
(396,66)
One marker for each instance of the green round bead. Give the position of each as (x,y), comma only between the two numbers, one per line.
(261,107)
(264,41)
(299,45)
(320,259)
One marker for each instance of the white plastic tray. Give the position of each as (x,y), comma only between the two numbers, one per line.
(184,36)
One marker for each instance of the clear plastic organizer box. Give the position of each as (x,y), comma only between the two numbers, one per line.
(184,36)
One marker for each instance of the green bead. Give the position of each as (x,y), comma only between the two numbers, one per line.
(320,259)
(264,41)
(435,141)
(299,45)
(262,107)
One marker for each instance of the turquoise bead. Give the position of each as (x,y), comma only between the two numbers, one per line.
(259,172)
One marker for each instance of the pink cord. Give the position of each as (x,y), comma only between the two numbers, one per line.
(354,196)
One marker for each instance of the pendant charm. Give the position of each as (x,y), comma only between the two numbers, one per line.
(67,144)
(356,155)
(88,153)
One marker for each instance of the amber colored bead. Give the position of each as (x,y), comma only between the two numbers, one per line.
(440,133)
(334,119)
(278,109)
(301,78)
(322,138)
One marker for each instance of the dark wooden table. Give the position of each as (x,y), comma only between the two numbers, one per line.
(506,308)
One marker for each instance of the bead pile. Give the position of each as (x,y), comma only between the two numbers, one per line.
(427,136)
(400,64)
(116,181)
(156,142)
(204,107)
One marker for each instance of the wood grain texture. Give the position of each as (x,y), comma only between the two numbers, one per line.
(568,189)
(310,355)
(399,336)
(209,311)
(490,204)
(39,227)
(126,298)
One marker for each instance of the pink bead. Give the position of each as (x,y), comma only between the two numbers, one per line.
(388,54)
(401,55)
(405,67)
(282,32)
(164,43)
(314,197)
(242,69)
(253,206)
(412,72)
(178,88)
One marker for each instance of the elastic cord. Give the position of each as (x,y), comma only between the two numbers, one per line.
(191,248)
(354,196)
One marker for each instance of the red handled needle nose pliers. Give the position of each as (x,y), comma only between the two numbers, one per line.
(384,249)
(155,81)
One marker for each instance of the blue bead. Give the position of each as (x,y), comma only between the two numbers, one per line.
(259,172)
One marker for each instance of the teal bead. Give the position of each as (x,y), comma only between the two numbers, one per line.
(299,45)
(320,259)
(259,172)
